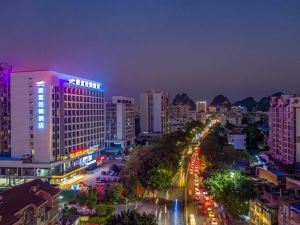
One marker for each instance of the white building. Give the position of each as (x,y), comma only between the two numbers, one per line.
(237,139)
(154,112)
(201,106)
(120,122)
(57,125)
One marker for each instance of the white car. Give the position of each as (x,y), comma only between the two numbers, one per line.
(192,219)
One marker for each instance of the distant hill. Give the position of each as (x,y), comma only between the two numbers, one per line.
(221,101)
(183,99)
(264,103)
(249,103)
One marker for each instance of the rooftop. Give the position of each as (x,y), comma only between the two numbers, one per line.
(24,195)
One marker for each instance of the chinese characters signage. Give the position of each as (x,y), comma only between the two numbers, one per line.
(82,151)
(41,104)
(85,83)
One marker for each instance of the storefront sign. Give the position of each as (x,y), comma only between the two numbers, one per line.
(83,151)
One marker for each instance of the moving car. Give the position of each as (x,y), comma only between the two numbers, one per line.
(211,214)
(214,221)
(192,220)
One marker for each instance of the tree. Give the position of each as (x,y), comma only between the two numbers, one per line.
(68,211)
(253,135)
(105,210)
(114,167)
(82,198)
(131,218)
(92,198)
(113,194)
(232,189)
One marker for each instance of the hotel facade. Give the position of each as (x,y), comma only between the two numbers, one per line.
(57,125)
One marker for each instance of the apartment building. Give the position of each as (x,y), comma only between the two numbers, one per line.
(284,128)
(154,112)
(120,122)
(5,130)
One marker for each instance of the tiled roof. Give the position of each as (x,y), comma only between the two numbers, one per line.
(21,196)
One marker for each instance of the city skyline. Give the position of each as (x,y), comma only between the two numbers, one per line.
(242,49)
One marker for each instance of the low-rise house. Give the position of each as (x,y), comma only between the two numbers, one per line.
(237,139)
(34,203)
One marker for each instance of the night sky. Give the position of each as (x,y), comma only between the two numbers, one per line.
(237,48)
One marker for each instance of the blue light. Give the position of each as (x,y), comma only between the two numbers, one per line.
(41,104)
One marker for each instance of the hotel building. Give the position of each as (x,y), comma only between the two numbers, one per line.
(5,131)
(57,125)
(284,127)
(154,112)
(120,122)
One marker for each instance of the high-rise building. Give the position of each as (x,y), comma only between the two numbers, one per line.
(120,122)
(201,106)
(154,112)
(179,115)
(5,130)
(57,125)
(284,127)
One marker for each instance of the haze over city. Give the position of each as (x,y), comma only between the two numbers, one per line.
(204,48)
(139,112)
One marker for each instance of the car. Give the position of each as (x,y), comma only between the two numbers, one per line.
(197,193)
(211,214)
(108,179)
(192,219)
(214,221)
(103,173)
(207,197)
(207,203)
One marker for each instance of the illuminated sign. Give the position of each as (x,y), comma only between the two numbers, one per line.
(83,151)
(41,104)
(101,158)
(85,83)
(91,162)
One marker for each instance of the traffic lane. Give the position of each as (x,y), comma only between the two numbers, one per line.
(194,206)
